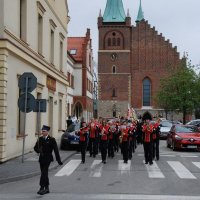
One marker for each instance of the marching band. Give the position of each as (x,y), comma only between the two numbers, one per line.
(107,137)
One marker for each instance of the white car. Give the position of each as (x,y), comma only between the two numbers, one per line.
(165,127)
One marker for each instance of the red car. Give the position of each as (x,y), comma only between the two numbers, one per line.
(183,137)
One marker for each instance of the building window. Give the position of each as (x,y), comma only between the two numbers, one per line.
(109,41)
(23,19)
(73,51)
(114,41)
(118,42)
(60,115)
(40,33)
(61,55)
(114,69)
(113,92)
(146,92)
(52,47)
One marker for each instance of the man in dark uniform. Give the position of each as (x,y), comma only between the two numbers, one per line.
(44,146)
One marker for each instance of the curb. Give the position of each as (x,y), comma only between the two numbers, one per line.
(32,174)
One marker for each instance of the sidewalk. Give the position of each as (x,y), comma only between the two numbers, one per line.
(15,170)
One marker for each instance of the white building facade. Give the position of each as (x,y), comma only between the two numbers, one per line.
(33,38)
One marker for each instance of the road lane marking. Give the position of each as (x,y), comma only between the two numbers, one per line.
(197,164)
(124,168)
(185,156)
(96,169)
(69,168)
(154,171)
(181,170)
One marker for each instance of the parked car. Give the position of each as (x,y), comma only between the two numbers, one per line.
(69,138)
(195,122)
(165,127)
(183,137)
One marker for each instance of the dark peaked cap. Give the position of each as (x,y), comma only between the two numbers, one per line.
(45,128)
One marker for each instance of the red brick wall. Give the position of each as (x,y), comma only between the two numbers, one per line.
(144,53)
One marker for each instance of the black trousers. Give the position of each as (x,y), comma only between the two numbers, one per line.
(125,150)
(156,149)
(116,142)
(44,178)
(130,149)
(104,146)
(148,151)
(83,146)
(111,148)
(93,146)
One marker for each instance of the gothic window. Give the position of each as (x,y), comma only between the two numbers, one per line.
(109,41)
(114,41)
(114,69)
(118,41)
(146,92)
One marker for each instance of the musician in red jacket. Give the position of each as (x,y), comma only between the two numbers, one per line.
(104,129)
(147,130)
(93,138)
(124,137)
(83,140)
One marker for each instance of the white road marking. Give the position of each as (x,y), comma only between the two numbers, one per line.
(124,167)
(181,170)
(96,169)
(69,168)
(154,171)
(197,164)
(184,156)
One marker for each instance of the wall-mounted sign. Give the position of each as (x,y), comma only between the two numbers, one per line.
(51,83)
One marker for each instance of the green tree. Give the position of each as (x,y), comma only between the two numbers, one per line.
(180,90)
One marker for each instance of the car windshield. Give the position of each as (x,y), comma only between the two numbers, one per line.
(186,129)
(73,127)
(193,123)
(166,124)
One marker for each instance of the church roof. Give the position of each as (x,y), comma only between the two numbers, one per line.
(114,11)
(140,15)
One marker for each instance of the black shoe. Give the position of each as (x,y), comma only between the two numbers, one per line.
(146,163)
(82,162)
(104,162)
(151,163)
(125,161)
(94,156)
(45,191)
(40,190)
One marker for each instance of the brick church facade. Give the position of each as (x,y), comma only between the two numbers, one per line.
(131,62)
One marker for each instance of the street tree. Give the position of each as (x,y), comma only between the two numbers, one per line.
(180,90)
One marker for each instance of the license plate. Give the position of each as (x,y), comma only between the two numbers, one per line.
(74,142)
(192,146)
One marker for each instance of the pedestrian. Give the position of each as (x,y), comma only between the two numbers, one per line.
(44,146)
(147,130)
(83,140)
(69,121)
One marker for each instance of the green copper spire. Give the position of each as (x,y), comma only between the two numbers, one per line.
(114,11)
(140,16)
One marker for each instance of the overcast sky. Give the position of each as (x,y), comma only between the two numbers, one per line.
(178,20)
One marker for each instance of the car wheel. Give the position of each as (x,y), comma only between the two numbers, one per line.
(173,146)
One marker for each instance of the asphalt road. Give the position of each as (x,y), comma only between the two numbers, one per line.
(175,176)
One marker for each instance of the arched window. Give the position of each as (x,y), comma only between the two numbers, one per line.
(114,41)
(114,69)
(146,92)
(118,42)
(109,41)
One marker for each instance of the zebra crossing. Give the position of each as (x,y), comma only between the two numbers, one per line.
(96,168)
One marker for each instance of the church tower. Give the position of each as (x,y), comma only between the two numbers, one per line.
(114,60)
